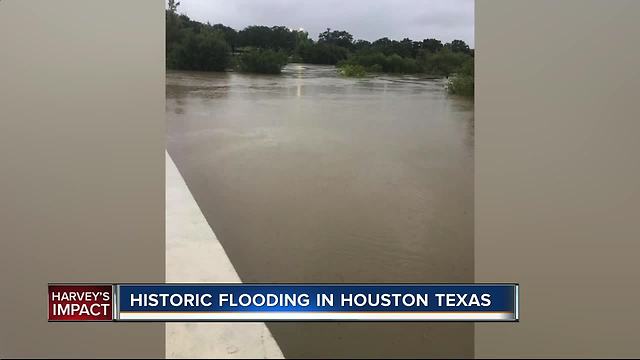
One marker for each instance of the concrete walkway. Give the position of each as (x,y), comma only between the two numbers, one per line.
(194,254)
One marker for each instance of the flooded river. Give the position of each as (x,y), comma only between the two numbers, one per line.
(311,177)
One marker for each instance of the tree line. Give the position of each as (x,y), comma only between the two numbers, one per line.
(192,45)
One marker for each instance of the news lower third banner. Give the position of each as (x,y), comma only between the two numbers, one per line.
(283,302)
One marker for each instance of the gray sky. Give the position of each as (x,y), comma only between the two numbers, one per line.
(364,19)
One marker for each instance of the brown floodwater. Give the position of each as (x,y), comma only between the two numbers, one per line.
(311,177)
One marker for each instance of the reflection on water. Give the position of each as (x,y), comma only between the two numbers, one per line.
(310,177)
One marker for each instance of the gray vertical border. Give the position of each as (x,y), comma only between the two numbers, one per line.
(82,142)
(557,174)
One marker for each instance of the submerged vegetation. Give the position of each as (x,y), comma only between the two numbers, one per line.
(461,83)
(191,45)
(203,51)
(262,61)
(378,62)
(352,70)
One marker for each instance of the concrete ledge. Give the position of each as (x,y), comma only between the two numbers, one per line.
(194,254)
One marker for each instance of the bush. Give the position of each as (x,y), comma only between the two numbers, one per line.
(262,61)
(461,84)
(467,68)
(353,70)
(398,64)
(369,59)
(443,62)
(375,68)
(206,51)
(378,62)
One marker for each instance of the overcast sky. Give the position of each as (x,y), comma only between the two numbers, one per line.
(364,19)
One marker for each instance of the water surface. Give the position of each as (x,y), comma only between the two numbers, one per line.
(311,177)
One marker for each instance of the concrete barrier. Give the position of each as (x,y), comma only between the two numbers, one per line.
(194,254)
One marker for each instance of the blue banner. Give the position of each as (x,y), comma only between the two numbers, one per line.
(317,302)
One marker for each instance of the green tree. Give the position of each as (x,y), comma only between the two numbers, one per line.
(264,37)
(173,6)
(384,45)
(458,46)
(432,45)
(322,53)
(229,33)
(172,24)
(337,38)
(282,38)
(360,45)
(254,36)
(405,48)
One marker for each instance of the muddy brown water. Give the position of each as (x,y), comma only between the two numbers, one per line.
(311,177)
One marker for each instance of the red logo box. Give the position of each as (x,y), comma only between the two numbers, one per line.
(80,302)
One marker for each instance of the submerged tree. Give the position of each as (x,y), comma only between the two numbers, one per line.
(262,61)
(206,51)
